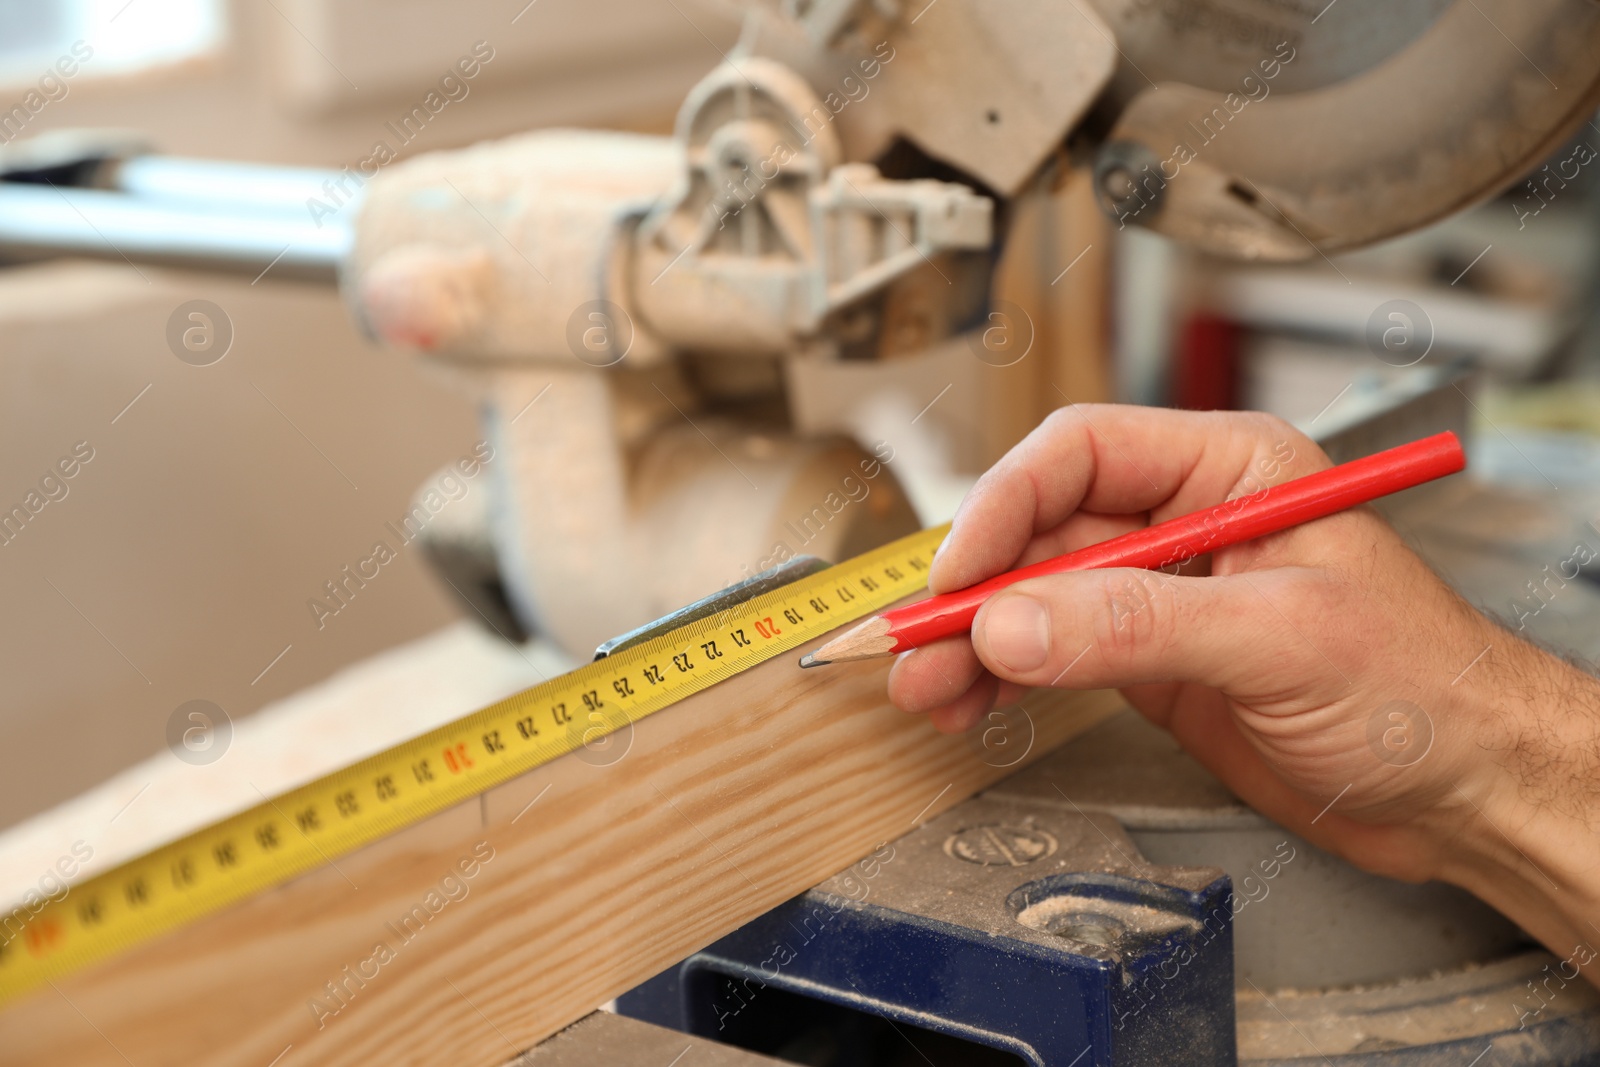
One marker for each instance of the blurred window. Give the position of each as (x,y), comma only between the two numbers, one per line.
(121,36)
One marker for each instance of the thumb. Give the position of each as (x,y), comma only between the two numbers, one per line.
(1117,628)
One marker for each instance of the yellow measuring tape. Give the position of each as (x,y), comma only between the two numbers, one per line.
(308,827)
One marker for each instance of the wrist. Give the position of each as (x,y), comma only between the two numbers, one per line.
(1518,825)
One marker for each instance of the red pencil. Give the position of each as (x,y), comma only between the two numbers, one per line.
(1164,544)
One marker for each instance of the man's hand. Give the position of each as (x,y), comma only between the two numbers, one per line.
(1324,673)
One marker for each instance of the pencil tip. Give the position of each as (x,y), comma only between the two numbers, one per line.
(810,660)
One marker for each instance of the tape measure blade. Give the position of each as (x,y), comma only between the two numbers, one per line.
(315,824)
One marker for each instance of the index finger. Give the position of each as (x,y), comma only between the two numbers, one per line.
(1115,460)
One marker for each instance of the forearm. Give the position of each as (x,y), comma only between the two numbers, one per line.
(1523,833)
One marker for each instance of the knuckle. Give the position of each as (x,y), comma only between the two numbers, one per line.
(1287,444)
(1272,426)
(1138,613)
(1060,420)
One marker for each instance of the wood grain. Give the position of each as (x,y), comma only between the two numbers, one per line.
(1056,267)
(588,879)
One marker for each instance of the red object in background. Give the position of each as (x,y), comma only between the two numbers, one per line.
(1207,366)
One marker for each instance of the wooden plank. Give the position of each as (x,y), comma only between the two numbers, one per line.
(1076,336)
(468,938)
(1056,267)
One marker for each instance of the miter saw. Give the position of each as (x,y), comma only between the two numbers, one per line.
(636,313)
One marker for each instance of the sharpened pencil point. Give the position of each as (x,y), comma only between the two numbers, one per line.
(868,640)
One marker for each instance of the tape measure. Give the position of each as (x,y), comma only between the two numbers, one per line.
(317,823)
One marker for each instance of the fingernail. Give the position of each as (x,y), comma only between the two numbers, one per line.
(1017,630)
